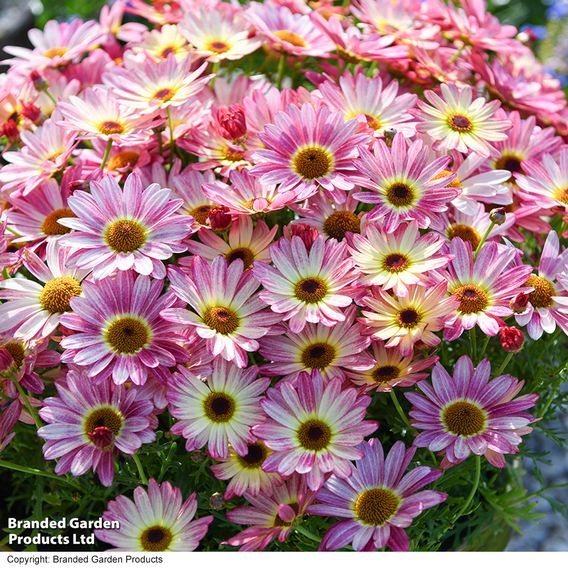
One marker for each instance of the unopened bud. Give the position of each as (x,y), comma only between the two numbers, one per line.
(306,232)
(231,121)
(519,303)
(220,218)
(511,338)
(498,215)
(216,501)
(39,82)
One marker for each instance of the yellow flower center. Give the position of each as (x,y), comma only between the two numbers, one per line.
(55,52)
(312,162)
(223,320)
(395,262)
(341,222)
(156,538)
(201,213)
(219,407)
(463,418)
(110,127)
(314,435)
(456,182)
(460,123)
(217,46)
(291,37)
(57,293)
(244,253)
(562,195)
(376,506)
(318,355)
(51,226)
(541,297)
(310,290)
(473,299)
(464,232)
(127,335)
(125,235)
(164,94)
(104,417)
(126,159)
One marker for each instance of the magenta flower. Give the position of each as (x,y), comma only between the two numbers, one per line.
(158,520)
(307,285)
(404,184)
(470,413)
(9,417)
(227,313)
(379,500)
(307,148)
(314,428)
(123,229)
(119,331)
(88,423)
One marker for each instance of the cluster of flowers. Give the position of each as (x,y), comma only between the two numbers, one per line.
(259,217)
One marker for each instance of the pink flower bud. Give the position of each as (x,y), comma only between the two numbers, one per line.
(231,121)
(306,232)
(220,218)
(519,303)
(511,338)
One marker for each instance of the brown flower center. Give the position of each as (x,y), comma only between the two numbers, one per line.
(541,296)
(376,506)
(244,253)
(127,335)
(318,355)
(290,37)
(218,46)
(314,435)
(126,159)
(472,298)
(18,352)
(312,162)
(465,233)
(385,373)
(400,194)
(463,418)
(103,425)
(156,538)
(57,293)
(510,162)
(256,454)
(110,127)
(408,318)
(219,407)
(340,223)
(125,235)
(460,123)
(395,262)
(310,290)
(201,213)
(164,94)
(51,226)
(222,320)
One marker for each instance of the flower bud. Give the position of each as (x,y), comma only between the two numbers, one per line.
(39,82)
(498,215)
(220,218)
(519,303)
(306,232)
(511,338)
(231,121)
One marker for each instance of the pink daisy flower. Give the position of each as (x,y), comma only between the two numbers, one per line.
(307,148)
(307,285)
(119,331)
(89,423)
(123,229)
(314,428)
(333,351)
(404,184)
(397,260)
(458,122)
(483,286)
(548,302)
(378,501)
(218,409)
(245,472)
(469,413)
(9,416)
(33,309)
(158,520)
(391,368)
(226,311)
(403,321)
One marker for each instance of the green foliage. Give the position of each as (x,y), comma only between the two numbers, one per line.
(64,9)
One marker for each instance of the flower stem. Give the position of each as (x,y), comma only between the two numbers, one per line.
(473,344)
(473,491)
(33,471)
(140,467)
(172,139)
(483,239)
(484,346)
(280,72)
(107,154)
(505,363)
(401,413)
(27,403)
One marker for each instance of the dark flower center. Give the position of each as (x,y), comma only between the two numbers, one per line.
(164,94)
(409,318)
(51,226)
(385,373)
(463,418)
(219,407)
(127,335)
(318,355)
(472,298)
(18,352)
(460,123)
(314,435)
(222,320)
(218,46)
(310,290)
(110,127)
(201,213)
(340,223)
(395,262)
(256,454)
(509,162)
(103,425)
(126,159)
(376,506)
(465,233)
(156,538)
(57,293)
(400,194)
(312,162)
(244,253)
